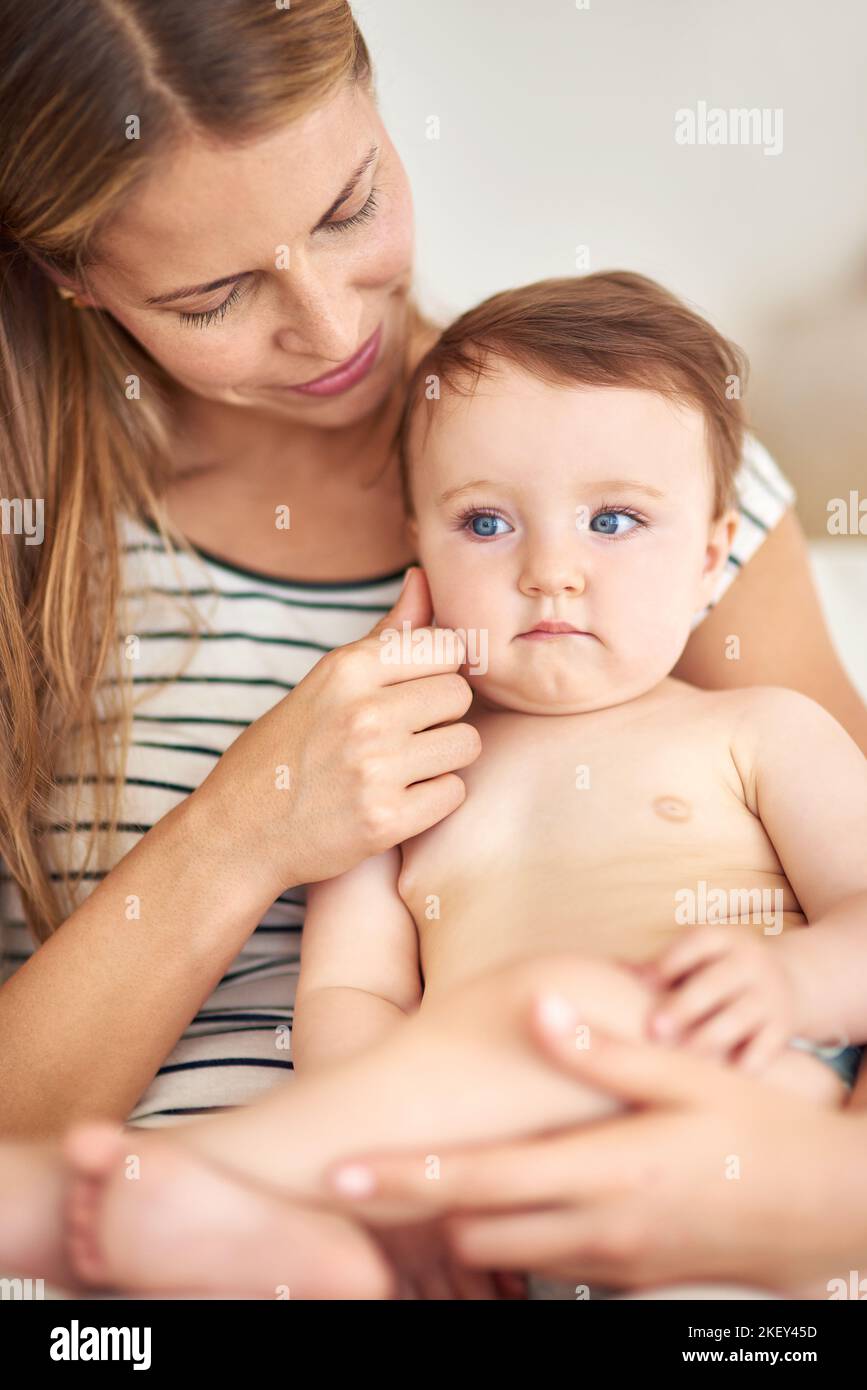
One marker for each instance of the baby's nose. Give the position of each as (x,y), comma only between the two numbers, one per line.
(552,583)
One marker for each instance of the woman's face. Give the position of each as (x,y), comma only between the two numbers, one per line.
(304,284)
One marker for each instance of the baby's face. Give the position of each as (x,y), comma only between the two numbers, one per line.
(588,507)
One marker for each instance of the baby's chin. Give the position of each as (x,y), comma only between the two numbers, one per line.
(575,695)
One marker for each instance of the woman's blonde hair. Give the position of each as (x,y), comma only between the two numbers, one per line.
(73,79)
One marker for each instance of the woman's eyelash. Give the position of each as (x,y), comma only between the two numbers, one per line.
(363,215)
(209,315)
(201,320)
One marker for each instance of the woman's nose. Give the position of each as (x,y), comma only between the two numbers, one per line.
(320,318)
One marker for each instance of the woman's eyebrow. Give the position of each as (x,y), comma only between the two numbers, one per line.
(346,192)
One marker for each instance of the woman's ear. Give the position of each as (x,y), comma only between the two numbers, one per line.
(719,544)
(66,288)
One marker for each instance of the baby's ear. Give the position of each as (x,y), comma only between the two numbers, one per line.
(719,544)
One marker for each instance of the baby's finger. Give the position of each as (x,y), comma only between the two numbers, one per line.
(690,950)
(701,995)
(761,1049)
(735,1024)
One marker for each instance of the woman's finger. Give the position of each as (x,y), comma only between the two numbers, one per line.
(427,701)
(592,1241)
(641,1073)
(472,1179)
(435,751)
(585,1165)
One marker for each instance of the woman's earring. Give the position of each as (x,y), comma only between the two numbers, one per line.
(74,301)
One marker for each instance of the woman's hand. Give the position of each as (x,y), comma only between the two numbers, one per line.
(352,761)
(710,1174)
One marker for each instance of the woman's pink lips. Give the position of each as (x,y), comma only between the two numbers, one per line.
(352,371)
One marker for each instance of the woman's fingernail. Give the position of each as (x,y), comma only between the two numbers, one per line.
(556,1013)
(354,1180)
(662,1025)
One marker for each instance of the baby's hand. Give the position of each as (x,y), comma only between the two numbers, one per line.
(722,991)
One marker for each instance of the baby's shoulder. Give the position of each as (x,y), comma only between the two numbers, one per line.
(757,722)
(757,705)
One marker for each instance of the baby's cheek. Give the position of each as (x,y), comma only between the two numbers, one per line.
(652,635)
(459,601)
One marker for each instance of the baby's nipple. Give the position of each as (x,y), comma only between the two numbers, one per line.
(672,808)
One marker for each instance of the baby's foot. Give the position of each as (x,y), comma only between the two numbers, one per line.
(33,1179)
(145,1213)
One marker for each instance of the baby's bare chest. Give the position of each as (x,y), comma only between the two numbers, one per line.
(540,799)
(565,836)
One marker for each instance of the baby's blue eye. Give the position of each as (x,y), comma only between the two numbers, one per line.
(484,525)
(608,523)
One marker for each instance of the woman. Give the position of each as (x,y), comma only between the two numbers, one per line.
(202,217)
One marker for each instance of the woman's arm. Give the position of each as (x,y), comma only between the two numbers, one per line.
(86,1021)
(773,608)
(371,751)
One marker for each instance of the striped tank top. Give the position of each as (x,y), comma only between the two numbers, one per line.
(261,635)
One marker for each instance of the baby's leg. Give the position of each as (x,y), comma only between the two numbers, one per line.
(207,1211)
(461,1070)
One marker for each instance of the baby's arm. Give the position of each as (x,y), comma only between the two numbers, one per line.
(810,788)
(359,963)
(806,780)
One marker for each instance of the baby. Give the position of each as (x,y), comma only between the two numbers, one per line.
(568,452)
(649,851)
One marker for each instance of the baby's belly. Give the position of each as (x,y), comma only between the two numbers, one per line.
(471,929)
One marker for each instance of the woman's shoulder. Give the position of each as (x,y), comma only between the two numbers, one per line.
(763,495)
(762,488)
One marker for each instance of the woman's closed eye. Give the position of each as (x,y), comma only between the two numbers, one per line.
(201,319)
